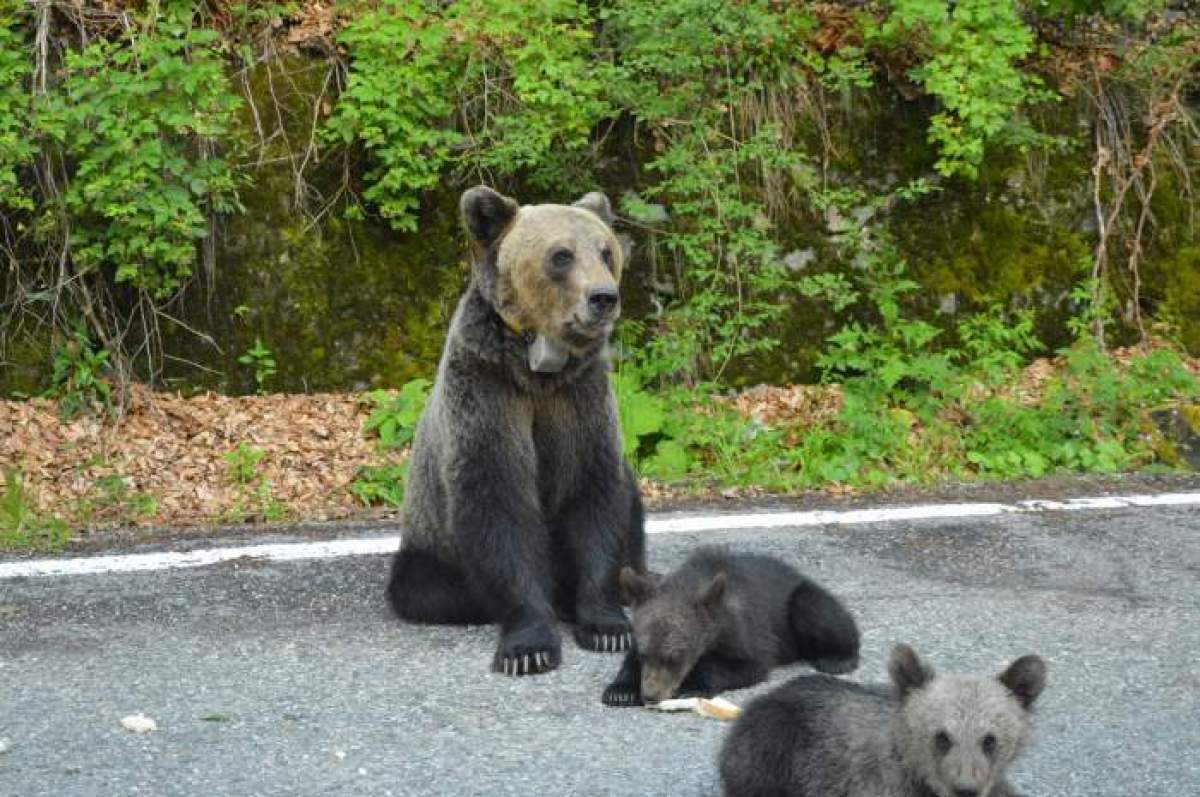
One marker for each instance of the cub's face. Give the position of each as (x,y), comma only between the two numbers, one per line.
(673,628)
(556,268)
(958,734)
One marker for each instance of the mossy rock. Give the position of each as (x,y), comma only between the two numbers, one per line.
(1180,435)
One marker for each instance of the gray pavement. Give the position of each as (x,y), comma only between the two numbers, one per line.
(292,679)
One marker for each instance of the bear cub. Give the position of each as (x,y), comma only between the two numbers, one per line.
(925,736)
(721,621)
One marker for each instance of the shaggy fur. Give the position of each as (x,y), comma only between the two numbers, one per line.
(925,736)
(519,506)
(721,621)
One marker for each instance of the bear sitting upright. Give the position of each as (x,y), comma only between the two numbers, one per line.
(926,736)
(721,621)
(519,505)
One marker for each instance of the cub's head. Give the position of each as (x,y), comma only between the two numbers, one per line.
(672,627)
(550,271)
(958,734)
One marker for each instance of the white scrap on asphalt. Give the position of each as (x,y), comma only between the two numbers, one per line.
(716,707)
(5,746)
(682,523)
(139,723)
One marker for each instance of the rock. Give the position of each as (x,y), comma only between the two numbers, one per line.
(1180,429)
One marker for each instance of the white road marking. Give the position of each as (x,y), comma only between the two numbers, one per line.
(672,524)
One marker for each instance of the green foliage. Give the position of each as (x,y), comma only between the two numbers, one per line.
(1091,418)
(252,491)
(112,500)
(398,99)
(393,420)
(650,431)
(16,148)
(263,361)
(132,115)
(22,527)
(241,464)
(395,416)
(972,52)
(912,411)
(380,484)
(78,381)
(501,86)
(696,91)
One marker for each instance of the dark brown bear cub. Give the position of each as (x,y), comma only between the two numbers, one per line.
(721,621)
(519,507)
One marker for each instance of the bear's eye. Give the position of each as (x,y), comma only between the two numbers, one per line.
(560,261)
(942,743)
(989,745)
(606,255)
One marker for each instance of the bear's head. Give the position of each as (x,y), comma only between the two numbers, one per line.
(957,734)
(550,271)
(672,627)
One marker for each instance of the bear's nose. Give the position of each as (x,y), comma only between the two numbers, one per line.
(966,793)
(603,301)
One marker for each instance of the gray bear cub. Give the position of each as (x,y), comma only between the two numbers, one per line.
(925,736)
(721,621)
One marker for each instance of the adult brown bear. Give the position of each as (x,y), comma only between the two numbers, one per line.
(520,507)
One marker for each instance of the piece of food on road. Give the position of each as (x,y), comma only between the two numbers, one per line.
(716,707)
(139,723)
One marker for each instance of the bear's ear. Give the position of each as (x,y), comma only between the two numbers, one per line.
(1025,678)
(713,592)
(907,670)
(598,204)
(486,214)
(626,244)
(636,588)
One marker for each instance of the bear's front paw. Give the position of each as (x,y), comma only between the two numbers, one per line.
(603,628)
(528,651)
(622,695)
(609,635)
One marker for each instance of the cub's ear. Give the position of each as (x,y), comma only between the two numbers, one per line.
(713,592)
(636,588)
(1025,678)
(486,214)
(597,203)
(907,670)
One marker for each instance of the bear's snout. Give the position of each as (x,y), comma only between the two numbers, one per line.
(603,302)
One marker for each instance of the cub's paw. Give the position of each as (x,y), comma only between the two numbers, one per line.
(835,666)
(609,636)
(528,651)
(622,695)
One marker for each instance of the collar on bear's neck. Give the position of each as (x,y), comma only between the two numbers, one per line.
(543,355)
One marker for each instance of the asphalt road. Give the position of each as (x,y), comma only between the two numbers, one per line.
(291,678)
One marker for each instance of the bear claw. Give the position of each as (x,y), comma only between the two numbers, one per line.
(527,651)
(606,640)
(621,696)
(525,664)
